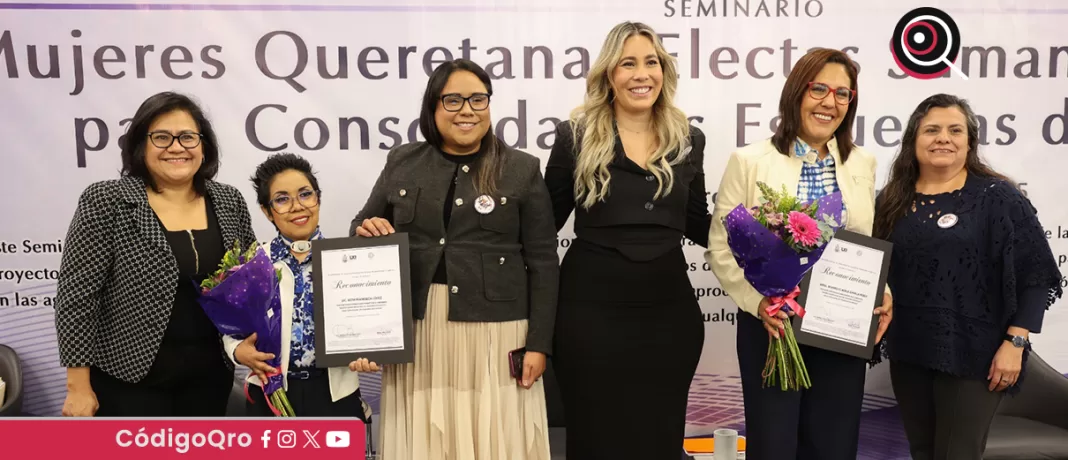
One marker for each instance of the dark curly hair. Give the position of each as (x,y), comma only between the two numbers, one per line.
(275,165)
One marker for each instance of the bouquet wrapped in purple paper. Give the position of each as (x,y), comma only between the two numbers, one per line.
(775,244)
(241,298)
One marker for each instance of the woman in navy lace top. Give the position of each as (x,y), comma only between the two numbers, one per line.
(972,274)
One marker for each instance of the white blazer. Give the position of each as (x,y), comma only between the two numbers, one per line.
(762,162)
(343,382)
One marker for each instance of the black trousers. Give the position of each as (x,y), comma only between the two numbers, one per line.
(945,417)
(309,397)
(821,423)
(183,382)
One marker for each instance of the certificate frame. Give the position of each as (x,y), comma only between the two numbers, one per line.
(324,359)
(831,344)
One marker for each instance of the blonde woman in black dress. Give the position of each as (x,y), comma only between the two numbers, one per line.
(630,167)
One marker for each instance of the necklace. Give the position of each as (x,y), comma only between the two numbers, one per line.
(300,247)
(628,130)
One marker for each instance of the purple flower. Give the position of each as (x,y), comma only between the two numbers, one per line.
(774,219)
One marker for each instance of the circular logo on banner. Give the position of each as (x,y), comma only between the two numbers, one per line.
(926,44)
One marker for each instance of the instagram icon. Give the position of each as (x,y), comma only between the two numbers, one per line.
(287,439)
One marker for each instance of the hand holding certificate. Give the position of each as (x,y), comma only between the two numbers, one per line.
(363,300)
(840,293)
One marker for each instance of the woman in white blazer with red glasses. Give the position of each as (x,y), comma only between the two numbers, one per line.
(812,154)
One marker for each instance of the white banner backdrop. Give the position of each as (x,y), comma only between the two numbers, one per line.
(339,82)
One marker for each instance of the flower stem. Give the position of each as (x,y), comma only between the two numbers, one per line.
(784,382)
(285,402)
(802,371)
(277,405)
(769,365)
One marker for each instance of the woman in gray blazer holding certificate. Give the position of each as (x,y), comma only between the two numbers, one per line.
(484,270)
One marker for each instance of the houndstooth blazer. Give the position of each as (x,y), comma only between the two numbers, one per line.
(117,276)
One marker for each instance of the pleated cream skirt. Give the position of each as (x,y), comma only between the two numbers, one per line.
(457,401)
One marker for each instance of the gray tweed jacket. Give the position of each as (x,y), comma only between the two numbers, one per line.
(117,276)
(502,265)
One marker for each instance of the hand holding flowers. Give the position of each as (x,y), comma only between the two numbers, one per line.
(241,299)
(255,360)
(776,243)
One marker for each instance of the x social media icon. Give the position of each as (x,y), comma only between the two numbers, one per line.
(310,437)
(337,439)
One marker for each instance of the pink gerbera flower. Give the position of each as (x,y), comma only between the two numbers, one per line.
(803,228)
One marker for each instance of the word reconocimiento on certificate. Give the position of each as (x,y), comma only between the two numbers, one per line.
(841,288)
(362,302)
(341,284)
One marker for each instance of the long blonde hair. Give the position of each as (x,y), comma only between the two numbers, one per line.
(593,121)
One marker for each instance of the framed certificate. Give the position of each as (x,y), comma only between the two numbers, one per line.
(840,292)
(363,306)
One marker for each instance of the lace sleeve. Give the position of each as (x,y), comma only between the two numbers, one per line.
(1028,261)
(878,354)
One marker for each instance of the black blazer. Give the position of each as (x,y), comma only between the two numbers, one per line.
(629,219)
(117,276)
(501,266)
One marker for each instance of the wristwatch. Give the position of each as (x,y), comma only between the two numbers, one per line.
(1017,341)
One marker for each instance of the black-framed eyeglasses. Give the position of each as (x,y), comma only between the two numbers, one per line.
(164,140)
(842,94)
(455,102)
(284,204)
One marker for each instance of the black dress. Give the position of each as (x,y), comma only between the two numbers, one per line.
(629,330)
(189,376)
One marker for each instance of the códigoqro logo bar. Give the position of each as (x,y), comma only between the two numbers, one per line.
(121,439)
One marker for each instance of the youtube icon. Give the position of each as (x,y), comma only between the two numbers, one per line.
(337,439)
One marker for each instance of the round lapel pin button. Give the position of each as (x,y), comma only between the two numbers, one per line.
(947,220)
(484,204)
